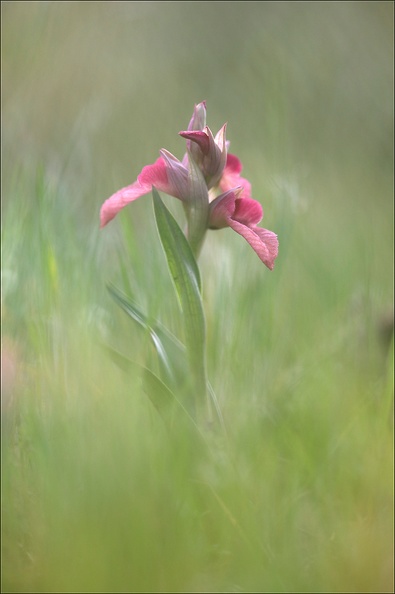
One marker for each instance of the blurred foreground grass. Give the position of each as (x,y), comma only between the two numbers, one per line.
(98,495)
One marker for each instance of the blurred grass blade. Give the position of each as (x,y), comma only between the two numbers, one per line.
(215,403)
(186,278)
(171,352)
(132,310)
(161,396)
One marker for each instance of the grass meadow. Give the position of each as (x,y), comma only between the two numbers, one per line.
(98,493)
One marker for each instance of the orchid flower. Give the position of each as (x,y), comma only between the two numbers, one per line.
(206,170)
(243,215)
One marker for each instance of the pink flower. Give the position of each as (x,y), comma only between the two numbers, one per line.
(243,215)
(205,171)
(169,175)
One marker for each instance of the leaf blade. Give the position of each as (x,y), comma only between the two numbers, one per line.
(186,280)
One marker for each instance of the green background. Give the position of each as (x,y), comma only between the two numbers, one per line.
(97,494)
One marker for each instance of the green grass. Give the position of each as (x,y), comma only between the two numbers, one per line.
(98,493)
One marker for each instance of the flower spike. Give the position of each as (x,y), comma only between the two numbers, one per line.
(206,170)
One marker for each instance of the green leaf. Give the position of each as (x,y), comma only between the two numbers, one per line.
(161,396)
(169,350)
(186,278)
(177,249)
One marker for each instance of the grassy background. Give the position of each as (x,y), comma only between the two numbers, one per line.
(97,494)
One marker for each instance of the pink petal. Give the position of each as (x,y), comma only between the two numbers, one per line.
(151,175)
(231,177)
(119,200)
(263,242)
(208,152)
(270,240)
(155,174)
(222,208)
(241,214)
(200,137)
(248,211)
(233,164)
(177,174)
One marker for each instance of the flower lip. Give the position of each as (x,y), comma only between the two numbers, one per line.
(223,207)
(242,215)
(248,211)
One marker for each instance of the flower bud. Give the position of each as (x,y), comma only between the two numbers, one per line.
(198,120)
(208,152)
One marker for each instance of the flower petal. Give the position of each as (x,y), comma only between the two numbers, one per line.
(198,120)
(222,208)
(177,175)
(156,175)
(231,176)
(270,240)
(228,210)
(233,164)
(220,139)
(263,242)
(119,200)
(200,137)
(248,211)
(208,152)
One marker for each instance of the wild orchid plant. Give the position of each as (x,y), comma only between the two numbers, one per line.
(214,196)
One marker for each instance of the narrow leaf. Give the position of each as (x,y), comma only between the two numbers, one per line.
(186,278)
(132,311)
(161,396)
